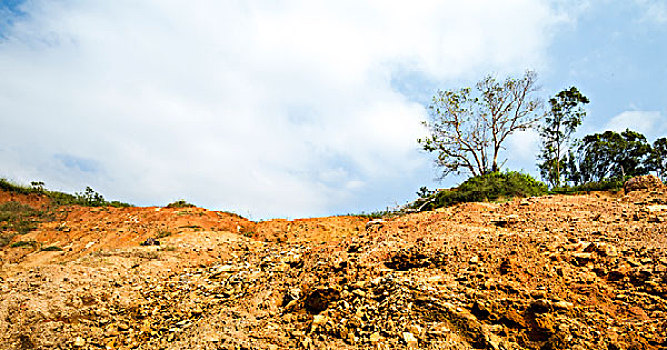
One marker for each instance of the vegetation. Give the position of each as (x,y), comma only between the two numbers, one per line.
(20,244)
(605,185)
(658,158)
(562,119)
(489,187)
(468,130)
(88,197)
(609,156)
(180,204)
(163,234)
(19,219)
(52,249)
(376,214)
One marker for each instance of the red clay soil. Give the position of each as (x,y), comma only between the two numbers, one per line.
(554,272)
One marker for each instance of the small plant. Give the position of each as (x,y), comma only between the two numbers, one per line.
(163,234)
(20,244)
(52,249)
(180,204)
(25,226)
(194,227)
(5,239)
(37,186)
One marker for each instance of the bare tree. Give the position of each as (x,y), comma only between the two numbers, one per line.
(467,130)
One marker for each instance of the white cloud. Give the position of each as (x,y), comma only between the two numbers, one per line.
(278,109)
(524,145)
(651,124)
(654,10)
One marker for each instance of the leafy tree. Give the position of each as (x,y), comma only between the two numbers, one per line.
(90,198)
(610,156)
(562,119)
(658,159)
(468,128)
(424,192)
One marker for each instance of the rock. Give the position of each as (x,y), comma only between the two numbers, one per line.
(512,319)
(538,294)
(646,182)
(319,321)
(373,223)
(375,337)
(563,305)
(410,340)
(79,342)
(149,242)
(508,265)
(318,300)
(540,306)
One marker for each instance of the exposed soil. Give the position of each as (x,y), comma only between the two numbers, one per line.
(555,272)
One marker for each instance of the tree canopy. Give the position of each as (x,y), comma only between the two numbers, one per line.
(564,116)
(609,155)
(467,128)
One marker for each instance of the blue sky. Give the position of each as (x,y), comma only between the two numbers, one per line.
(294,108)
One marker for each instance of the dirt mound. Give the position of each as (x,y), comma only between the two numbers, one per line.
(556,272)
(647,182)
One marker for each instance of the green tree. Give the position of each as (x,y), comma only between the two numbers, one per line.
(467,129)
(658,159)
(610,156)
(564,116)
(90,198)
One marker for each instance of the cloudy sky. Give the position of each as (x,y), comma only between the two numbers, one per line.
(294,108)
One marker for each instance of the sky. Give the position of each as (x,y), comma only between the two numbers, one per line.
(289,109)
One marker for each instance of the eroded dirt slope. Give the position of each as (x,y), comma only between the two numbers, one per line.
(556,272)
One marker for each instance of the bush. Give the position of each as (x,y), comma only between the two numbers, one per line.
(488,187)
(24,244)
(163,234)
(52,249)
(605,185)
(8,186)
(180,204)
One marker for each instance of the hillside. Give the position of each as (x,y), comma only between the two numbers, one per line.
(554,272)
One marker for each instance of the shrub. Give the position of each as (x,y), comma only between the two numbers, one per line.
(180,204)
(5,238)
(163,234)
(8,186)
(604,185)
(23,244)
(52,249)
(489,187)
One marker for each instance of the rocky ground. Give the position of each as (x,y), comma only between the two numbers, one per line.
(555,272)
